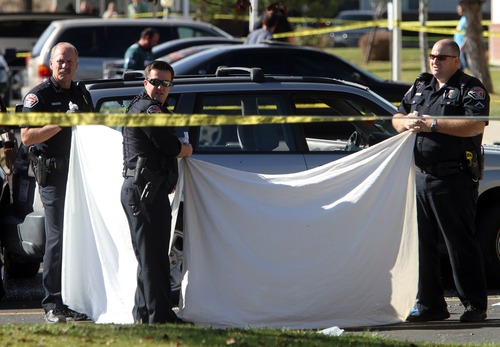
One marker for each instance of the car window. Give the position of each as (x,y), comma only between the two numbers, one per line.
(107,41)
(32,28)
(186,32)
(284,138)
(243,138)
(334,136)
(314,65)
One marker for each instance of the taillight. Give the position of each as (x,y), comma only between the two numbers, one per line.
(43,72)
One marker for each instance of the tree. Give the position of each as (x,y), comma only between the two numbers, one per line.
(422,35)
(475,48)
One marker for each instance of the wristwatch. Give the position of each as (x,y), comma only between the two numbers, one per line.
(434,126)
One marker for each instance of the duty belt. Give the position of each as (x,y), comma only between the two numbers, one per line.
(442,169)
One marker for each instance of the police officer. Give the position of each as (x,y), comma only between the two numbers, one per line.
(150,174)
(51,146)
(447,156)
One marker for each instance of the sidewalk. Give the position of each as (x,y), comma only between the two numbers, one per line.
(447,331)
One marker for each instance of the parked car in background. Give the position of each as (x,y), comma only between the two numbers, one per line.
(285,59)
(165,48)
(186,52)
(350,37)
(19,32)
(115,68)
(101,40)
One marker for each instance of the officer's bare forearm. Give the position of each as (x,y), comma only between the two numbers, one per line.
(33,136)
(460,127)
(399,122)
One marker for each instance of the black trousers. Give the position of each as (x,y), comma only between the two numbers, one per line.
(150,232)
(53,198)
(447,206)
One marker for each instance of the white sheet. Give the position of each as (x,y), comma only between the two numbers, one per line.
(336,245)
(99,265)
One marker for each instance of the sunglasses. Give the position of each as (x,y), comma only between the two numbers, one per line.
(441,57)
(157,82)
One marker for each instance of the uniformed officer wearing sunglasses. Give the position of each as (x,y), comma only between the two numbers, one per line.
(150,175)
(448,167)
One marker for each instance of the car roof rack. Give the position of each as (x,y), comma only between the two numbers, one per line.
(132,75)
(256,74)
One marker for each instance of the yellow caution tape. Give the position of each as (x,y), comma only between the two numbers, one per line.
(158,119)
(177,120)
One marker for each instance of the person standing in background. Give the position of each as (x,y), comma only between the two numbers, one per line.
(110,11)
(460,38)
(135,8)
(139,54)
(283,25)
(266,32)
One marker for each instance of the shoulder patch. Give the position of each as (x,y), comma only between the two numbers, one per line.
(30,100)
(477,93)
(154,109)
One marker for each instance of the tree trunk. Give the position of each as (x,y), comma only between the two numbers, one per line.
(475,48)
(422,36)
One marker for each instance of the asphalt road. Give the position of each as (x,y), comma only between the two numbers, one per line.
(21,305)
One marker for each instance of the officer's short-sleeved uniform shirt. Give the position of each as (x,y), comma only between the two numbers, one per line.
(450,100)
(157,144)
(50,97)
(137,57)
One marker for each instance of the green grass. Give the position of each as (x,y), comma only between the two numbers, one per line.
(410,68)
(88,334)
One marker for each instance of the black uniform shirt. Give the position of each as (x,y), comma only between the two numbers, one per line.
(450,100)
(50,97)
(159,145)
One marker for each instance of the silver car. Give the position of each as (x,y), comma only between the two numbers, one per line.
(290,147)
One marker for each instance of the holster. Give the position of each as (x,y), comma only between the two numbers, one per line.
(38,165)
(475,164)
(149,179)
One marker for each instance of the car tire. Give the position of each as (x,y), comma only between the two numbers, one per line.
(488,228)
